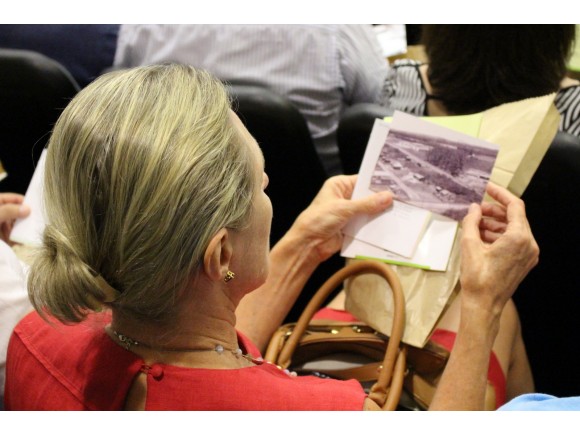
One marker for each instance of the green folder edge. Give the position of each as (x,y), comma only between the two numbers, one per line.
(398,263)
(574,62)
(467,124)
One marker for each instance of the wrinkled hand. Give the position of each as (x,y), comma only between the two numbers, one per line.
(321,223)
(497,250)
(11,208)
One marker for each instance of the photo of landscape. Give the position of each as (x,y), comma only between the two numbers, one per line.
(434,173)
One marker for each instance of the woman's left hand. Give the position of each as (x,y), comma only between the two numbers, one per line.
(321,224)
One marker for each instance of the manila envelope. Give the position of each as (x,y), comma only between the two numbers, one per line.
(524,131)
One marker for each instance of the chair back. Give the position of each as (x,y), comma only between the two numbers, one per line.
(34,90)
(292,164)
(354,130)
(548,300)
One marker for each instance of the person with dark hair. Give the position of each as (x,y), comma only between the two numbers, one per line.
(472,68)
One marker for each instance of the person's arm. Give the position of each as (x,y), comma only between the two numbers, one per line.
(314,237)
(11,208)
(14,302)
(363,66)
(497,254)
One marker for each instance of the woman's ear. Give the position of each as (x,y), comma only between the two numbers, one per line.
(217,256)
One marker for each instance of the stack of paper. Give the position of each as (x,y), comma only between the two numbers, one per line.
(435,174)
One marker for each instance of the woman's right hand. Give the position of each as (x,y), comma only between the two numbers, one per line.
(11,208)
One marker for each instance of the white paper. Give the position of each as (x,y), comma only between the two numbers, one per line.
(28,230)
(398,229)
(380,237)
(432,253)
(392,38)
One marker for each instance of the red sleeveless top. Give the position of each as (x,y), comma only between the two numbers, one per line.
(78,367)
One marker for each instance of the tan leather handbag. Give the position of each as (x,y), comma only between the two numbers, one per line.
(305,341)
(395,375)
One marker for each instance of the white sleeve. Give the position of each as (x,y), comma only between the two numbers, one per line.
(362,64)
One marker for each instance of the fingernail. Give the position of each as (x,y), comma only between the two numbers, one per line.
(472,207)
(384,198)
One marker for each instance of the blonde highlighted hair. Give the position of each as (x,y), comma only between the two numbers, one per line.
(143,168)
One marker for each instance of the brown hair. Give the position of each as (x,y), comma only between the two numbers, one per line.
(475,67)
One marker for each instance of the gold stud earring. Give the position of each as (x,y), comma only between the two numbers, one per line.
(229,276)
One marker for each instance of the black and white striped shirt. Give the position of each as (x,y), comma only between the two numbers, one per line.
(568,104)
(404,90)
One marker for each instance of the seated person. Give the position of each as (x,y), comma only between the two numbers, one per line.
(472,68)
(321,69)
(155,287)
(542,402)
(14,303)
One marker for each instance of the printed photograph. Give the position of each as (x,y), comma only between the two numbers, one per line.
(434,173)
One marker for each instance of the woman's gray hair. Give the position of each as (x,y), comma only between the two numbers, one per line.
(143,168)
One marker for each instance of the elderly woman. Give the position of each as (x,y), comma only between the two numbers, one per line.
(155,198)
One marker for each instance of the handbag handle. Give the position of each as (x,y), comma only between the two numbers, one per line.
(386,391)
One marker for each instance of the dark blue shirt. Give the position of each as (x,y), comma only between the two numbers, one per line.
(85,50)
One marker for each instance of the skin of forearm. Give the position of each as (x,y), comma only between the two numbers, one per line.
(261,312)
(463,383)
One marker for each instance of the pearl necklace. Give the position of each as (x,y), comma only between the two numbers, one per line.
(128,342)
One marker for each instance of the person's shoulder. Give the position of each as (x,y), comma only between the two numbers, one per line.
(406,63)
(356,32)
(570,91)
(405,73)
(567,102)
(542,402)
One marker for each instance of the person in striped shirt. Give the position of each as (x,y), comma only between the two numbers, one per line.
(472,68)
